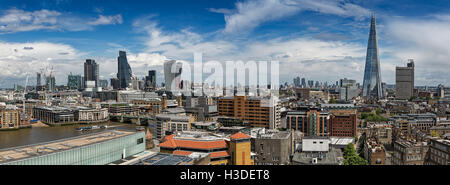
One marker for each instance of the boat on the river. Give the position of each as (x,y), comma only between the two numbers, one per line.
(92,127)
(84,128)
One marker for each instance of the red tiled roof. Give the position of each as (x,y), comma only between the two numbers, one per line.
(240,135)
(174,143)
(219,154)
(181,152)
(168,142)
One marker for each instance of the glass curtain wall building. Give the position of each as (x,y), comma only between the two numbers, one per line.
(81,150)
(372,78)
(124,70)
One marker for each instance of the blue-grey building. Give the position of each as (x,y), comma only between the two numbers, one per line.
(74,82)
(372,78)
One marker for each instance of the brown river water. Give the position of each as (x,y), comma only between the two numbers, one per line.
(28,136)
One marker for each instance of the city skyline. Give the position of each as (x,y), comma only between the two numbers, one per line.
(324,44)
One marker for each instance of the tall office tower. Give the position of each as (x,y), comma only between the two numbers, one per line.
(150,80)
(297,81)
(115,84)
(372,78)
(136,84)
(172,78)
(50,84)
(124,71)
(311,83)
(91,71)
(404,81)
(38,82)
(303,82)
(103,84)
(74,82)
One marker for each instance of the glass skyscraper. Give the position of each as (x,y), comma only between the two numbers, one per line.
(172,74)
(91,71)
(124,71)
(74,82)
(150,80)
(372,78)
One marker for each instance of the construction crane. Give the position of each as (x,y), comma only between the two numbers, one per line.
(48,82)
(23,96)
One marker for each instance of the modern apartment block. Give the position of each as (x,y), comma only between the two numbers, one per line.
(312,122)
(256,110)
(343,119)
(12,117)
(168,123)
(151,106)
(121,108)
(343,125)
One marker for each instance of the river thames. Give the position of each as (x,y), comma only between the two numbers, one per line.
(26,136)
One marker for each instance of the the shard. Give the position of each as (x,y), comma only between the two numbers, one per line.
(372,78)
(124,70)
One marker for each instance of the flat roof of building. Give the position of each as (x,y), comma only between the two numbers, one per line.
(22,152)
(162,159)
(341,140)
(173,117)
(198,123)
(408,144)
(337,105)
(332,157)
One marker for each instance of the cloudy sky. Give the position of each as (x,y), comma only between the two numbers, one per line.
(322,40)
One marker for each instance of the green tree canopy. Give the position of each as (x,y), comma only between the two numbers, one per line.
(349,150)
(378,111)
(351,157)
(355,160)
